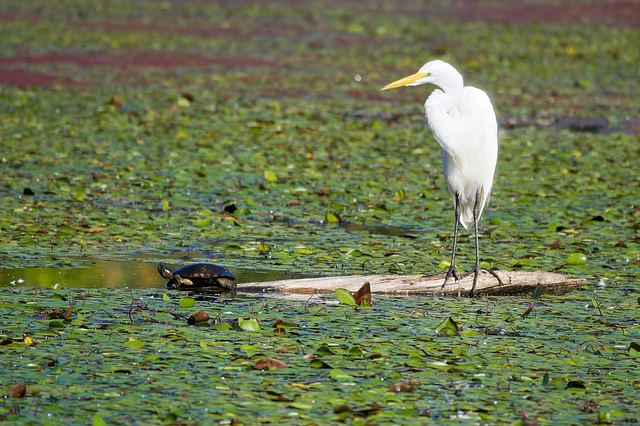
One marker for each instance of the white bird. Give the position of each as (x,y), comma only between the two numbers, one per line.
(464,124)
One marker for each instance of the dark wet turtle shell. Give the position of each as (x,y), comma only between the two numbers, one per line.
(198,275)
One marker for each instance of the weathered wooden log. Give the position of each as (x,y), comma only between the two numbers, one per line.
(515,282)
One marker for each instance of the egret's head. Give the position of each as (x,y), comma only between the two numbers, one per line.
(435,72)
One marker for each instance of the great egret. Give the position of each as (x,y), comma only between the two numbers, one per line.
(464,124)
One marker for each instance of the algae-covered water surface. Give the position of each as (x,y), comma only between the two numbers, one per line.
(254,135)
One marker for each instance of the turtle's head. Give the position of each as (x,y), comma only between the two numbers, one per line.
(165,272)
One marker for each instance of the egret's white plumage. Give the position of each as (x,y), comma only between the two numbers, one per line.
(464,124)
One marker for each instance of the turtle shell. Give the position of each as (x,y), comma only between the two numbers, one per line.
(198,275)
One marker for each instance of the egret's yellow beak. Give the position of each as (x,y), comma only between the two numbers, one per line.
(404,81)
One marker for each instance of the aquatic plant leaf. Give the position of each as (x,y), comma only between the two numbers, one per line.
(133,344)
(318,363)
(444,264)
(576,384)
(187,302)
(96,420)
(223,326)
(332,218)
(355,352)
(604,417)
(55,324)
(249,325)
(399,195)
(537,293)
(323,350)
(577,259)
(545,379)
(345,296)
(299,405)
(270,176)
(448,327)
(558,383)
(337,374)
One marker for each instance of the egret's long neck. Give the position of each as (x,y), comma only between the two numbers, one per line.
(442,112)
(452,87)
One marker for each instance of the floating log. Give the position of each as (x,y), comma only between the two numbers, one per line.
(515,282)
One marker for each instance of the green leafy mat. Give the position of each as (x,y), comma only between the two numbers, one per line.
(116,356)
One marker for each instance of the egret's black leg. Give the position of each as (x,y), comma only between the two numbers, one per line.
(476,213)
(452,268)
(477,268)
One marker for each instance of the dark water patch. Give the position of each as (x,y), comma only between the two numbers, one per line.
(629,126)
(363,228)
(389,230)
(130,274)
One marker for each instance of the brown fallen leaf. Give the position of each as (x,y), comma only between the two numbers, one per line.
(325,190)
(198,317)
(269,363)
(364,293)
(18,391)
(188,96)
(554,245)
(116,101)
(400,387)
(378,355)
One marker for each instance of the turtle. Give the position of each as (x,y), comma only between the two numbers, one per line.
(198,275)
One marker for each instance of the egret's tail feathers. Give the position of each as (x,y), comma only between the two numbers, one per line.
(466,210)
(466,219)
(467,223)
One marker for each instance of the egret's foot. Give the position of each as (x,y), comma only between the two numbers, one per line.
(451,272)
(476,271)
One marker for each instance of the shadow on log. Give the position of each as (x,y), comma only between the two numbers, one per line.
(515,282)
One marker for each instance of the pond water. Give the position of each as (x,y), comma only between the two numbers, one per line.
(129,274)
(142,272)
